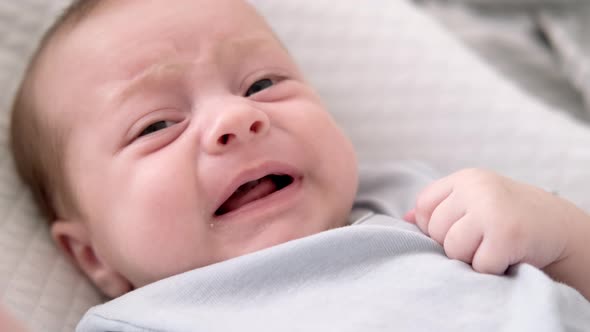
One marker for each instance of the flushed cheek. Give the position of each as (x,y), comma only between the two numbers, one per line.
(329,155)
(331,150)
(163,203)
(144,254)
(156,221)
(336,165)
(152,196)
(157,236)
(161,184)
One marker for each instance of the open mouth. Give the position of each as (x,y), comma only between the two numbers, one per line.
(254,190)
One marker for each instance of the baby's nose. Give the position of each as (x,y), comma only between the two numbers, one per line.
(236,126)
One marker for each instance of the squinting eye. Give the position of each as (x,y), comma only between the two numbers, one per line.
(156,126)
(259,86)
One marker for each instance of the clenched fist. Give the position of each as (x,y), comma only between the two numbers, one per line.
(493,222)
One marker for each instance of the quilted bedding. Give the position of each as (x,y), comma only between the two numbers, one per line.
(398,83)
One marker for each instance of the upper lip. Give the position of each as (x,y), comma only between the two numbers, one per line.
(255,173)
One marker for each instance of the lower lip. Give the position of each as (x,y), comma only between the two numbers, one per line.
(268,205)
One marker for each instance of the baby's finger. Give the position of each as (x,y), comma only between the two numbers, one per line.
(463,239)
(410,216)
(447,213)
(429,199)
(490,258)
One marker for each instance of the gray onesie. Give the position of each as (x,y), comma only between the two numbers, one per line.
(380,274)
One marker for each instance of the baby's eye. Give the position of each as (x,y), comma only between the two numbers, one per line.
(259,86)
(156,126)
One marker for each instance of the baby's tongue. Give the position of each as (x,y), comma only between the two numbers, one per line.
(249,192)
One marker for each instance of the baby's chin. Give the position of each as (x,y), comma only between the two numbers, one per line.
(279,237)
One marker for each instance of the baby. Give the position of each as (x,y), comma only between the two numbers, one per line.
(161,137)
(176,141)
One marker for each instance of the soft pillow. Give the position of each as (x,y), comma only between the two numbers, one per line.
(38,285)
(397,82)
(402,87)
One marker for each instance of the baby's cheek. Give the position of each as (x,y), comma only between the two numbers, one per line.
(154,250)
(155,234)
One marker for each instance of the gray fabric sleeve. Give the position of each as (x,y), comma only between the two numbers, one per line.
(392,188)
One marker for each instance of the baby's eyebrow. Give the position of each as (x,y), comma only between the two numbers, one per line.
(244,45)
(153,75)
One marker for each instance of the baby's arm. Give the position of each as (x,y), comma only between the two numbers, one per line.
(492,222)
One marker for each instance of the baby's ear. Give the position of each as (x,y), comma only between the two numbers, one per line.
(73,238)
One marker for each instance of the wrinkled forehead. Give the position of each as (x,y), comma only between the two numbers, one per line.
(204,17)
(119,39)
(214,15)
(118,30)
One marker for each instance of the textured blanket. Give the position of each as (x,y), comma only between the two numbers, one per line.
(542,45)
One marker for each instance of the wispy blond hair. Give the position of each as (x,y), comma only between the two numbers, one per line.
(36,141)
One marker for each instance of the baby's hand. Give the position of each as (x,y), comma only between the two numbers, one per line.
(492,222)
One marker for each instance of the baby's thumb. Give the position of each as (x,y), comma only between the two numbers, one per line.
(410,216)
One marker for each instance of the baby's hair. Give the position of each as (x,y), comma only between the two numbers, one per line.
(36,140)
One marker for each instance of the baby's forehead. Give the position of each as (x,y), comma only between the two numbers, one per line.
(108,29)
(233,22)
(212,13)
(105,45)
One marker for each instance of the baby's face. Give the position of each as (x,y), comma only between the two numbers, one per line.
(193,137)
